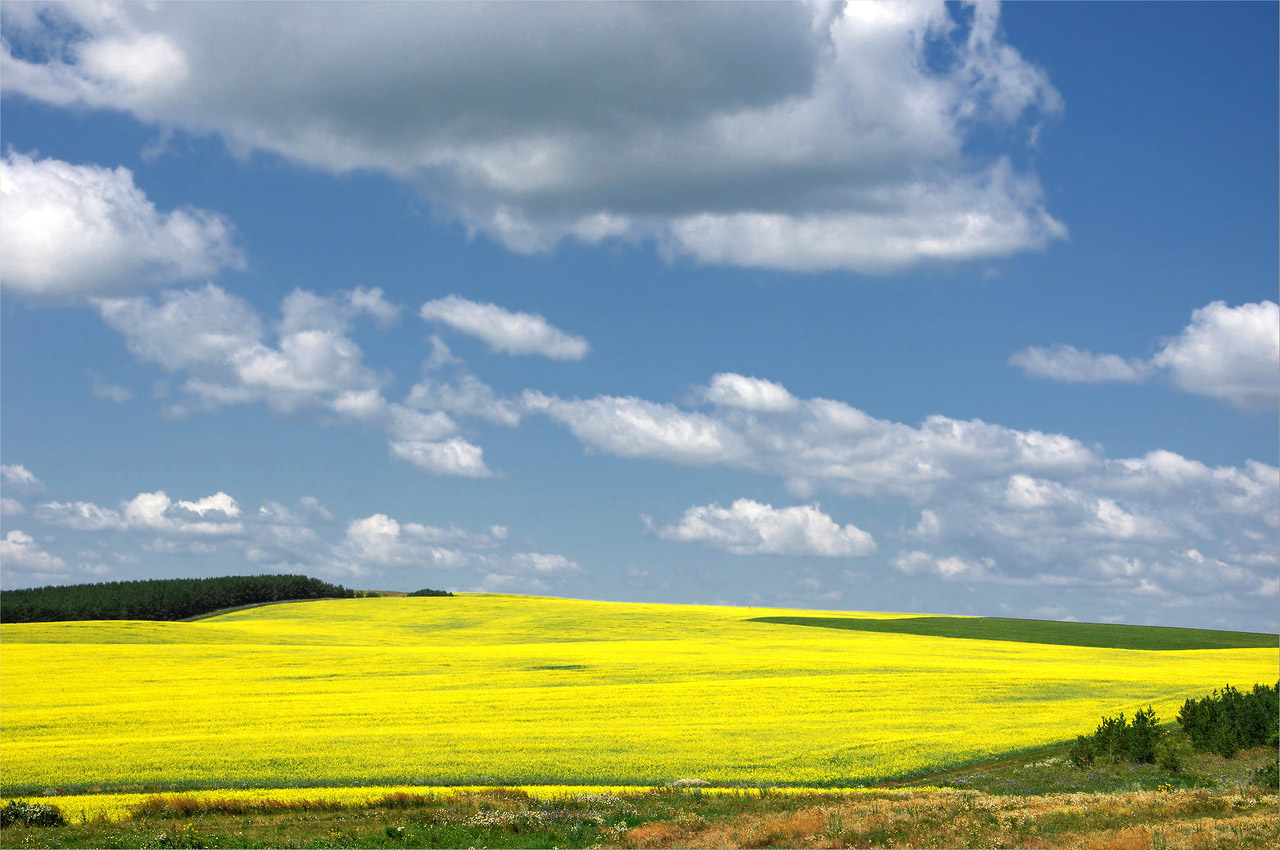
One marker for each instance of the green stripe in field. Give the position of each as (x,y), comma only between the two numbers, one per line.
(1044,631)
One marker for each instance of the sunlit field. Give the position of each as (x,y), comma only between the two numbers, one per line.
(481,689)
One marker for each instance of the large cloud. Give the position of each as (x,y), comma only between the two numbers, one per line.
(1230,354)
(307,363)
(795,136)
(995,504)
(70,231)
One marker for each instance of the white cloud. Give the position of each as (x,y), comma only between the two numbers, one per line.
(17,480)
(19,549)
(215,515)
(751,528)
(111,392)
(632,427)
(730,390)
(1067,363)
(444,457)
(819,136)
(1231,354)
(71,231)
(222,345)
(504,330)
(380,540)
(814,443)
(994,504)
(468,396)
(82,516)
(539,562)
(950,568)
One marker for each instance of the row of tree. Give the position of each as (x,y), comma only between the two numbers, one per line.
(158,599)
(1224,723)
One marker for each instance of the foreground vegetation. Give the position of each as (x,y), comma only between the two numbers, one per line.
(516,690)
(158,599)
(1168,818)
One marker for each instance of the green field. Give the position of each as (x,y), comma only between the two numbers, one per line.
(1043,631)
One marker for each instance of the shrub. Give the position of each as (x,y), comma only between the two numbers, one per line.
(15,812)
(1116,740)
(1267,776)
(1227,721)
(1167,759)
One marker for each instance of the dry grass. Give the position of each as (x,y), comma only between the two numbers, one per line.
(1137,821)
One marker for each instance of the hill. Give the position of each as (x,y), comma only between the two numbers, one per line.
(538,691)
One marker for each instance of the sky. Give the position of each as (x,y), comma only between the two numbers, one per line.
(960,309)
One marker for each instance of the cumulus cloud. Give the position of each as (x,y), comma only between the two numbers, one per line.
(306,362)
(1067,363)
(504,330)
(819,136)
(1230,354)
(455,456)
(995,504)
(275,536)
(950,568)
(730,390)
(815,443)
(19,549)
(71,231)
(751,528)
(19,482)
(379,539)
(215,515)
(467,396)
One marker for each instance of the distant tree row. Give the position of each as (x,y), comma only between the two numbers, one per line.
(158,599)
(1228,721)
(426,591)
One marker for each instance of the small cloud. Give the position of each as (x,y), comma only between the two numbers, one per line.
(111,392)
(751,528)
(505,331)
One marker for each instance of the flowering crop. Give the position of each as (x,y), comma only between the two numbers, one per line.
(481,689)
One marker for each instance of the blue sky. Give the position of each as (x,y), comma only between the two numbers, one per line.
(928,308)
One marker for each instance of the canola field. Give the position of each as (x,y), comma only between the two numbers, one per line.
(487,689)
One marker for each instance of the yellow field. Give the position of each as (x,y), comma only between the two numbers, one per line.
(481,689)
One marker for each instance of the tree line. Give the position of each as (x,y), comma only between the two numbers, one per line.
(1223,723)
(158,599)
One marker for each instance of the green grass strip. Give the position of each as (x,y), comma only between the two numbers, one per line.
(1044,631)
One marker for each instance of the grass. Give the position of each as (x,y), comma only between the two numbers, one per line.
(485,690)
(1043,631)
(1169,819)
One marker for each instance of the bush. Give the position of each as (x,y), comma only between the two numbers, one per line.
(1167,759)
(1117,740)
(1267,776)
(1227,721)
(30,814)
